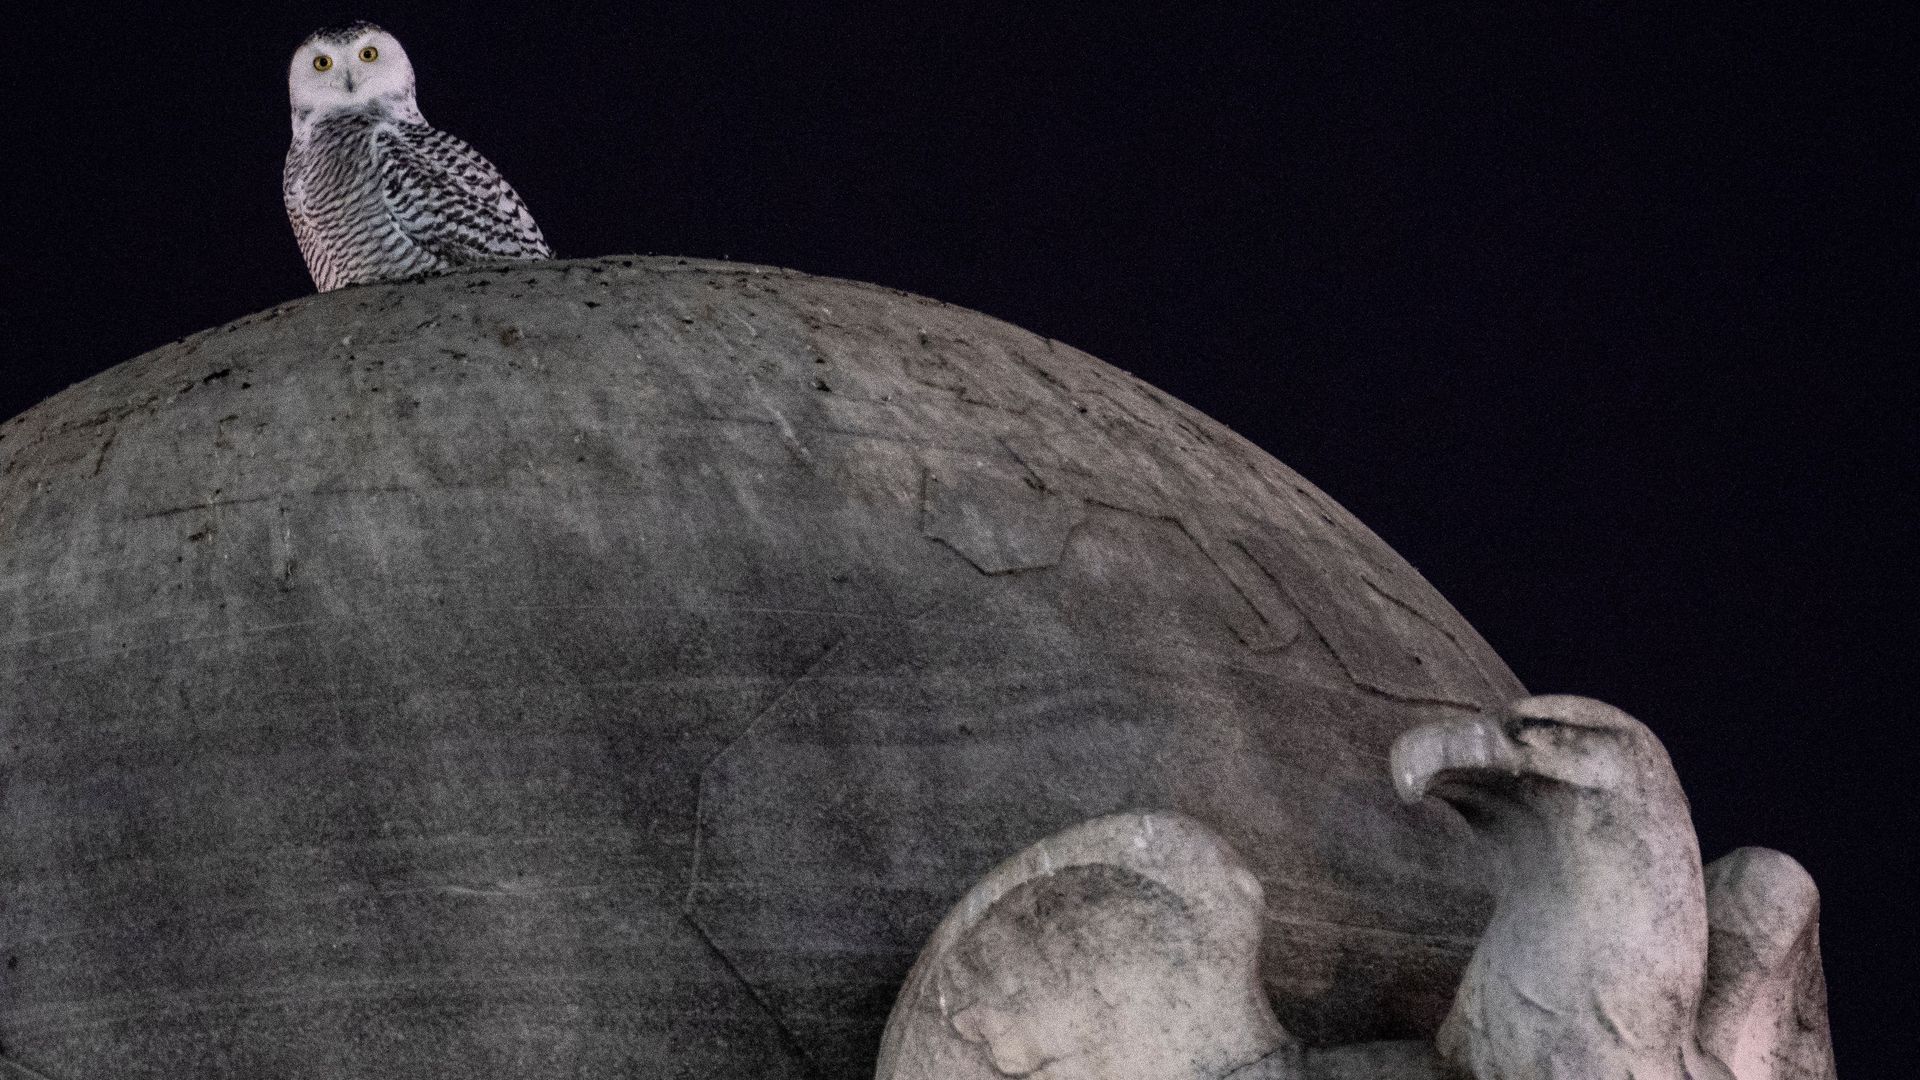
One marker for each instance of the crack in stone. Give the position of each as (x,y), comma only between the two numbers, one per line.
(1330,626)
(1017,536)
(1038,481)
(787,1036)
(700,787)
(1406,699)
(100,462)
(688,910)
(1285,635)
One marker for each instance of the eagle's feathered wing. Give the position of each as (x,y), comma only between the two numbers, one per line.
(1764,1012)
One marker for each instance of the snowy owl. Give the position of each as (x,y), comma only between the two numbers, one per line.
(374,191)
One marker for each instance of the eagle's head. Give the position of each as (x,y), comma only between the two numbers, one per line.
(1545,766)
(1593,960)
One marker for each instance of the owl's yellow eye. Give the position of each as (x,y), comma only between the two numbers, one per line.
(369,54)
(322,63)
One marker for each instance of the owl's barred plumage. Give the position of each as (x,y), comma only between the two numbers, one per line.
(373,191)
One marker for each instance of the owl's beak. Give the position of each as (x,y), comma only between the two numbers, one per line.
(348,75)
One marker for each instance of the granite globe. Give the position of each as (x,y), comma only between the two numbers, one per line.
(617,667)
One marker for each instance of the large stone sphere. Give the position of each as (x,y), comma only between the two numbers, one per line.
(616,668)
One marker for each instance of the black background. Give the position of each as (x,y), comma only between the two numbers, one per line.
(1574,309)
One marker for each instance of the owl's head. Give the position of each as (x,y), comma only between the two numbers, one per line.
(351,67)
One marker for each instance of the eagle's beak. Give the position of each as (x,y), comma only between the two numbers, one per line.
(1475,744)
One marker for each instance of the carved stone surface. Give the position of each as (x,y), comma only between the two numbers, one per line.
(618,667)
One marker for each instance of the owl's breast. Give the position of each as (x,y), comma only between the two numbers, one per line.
(333,188)
(334,172)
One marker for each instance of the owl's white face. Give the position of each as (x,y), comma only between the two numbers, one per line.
(362,67)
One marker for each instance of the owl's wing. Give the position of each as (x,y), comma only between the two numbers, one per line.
(452,201)
(1764,1012)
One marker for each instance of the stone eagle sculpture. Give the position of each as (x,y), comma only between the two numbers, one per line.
(1595,960)
(1607,955)
(1127,947)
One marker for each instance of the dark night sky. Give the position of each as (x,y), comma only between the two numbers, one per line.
(1571,309)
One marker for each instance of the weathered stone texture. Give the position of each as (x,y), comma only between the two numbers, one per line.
(618,667)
